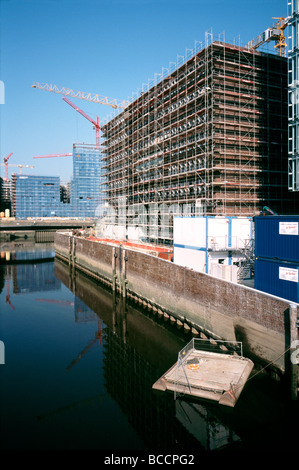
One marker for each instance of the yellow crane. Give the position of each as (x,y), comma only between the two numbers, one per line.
(274,33)
(95,98)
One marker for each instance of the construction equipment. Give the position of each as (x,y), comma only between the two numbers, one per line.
(266,210)
(54,155)
(15,165)
(95,123)
(274,33)
(95,98)
(6,165)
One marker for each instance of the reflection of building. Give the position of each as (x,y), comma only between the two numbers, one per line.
(201,423)
(44,196)
(209,138)
(27,278)
(293,7)
(129,379)
(83,313)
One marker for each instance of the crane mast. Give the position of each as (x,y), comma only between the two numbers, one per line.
(5,160)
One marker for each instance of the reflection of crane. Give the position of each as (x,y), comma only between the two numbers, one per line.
(7,298)
(95,98)
(54,155)
(6,165)
(66,303)
(96,124)
(98,337)
(274,33)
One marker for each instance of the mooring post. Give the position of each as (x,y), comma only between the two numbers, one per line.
(114,275)
(124,274)
(70,248)
(294,351)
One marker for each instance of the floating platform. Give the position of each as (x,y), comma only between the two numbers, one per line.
(209,375)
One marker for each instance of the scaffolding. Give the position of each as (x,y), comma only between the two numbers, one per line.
(207,137)
(293,165)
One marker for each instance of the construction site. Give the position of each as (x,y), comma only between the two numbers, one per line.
(206,137)
(209,138)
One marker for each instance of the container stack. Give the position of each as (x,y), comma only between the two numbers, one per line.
(277,256)
(213,245)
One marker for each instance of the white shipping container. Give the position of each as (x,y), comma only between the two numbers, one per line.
(199,242)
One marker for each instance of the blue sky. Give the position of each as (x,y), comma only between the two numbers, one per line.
(110,47)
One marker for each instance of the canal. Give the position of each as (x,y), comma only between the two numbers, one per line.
(79,366)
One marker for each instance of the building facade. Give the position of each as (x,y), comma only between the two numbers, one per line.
(86,185)
(210,139)
(35,196)
(5,195)
(293,58)
(44,196)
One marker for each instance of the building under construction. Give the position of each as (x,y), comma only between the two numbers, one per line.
(208,137)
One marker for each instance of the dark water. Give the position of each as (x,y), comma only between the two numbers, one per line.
(80,365)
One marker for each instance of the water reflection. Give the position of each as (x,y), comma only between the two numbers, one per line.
(11,252)
(98,358)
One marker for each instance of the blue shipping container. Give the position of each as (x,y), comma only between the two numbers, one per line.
(277,278)
(277,237)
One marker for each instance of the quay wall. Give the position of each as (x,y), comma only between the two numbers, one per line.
(214,307)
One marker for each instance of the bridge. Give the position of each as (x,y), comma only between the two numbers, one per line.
(39,229)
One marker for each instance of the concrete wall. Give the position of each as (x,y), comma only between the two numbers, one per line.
(216,307)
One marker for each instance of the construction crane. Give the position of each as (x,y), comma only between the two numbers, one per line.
(5,160)
(274,33)
(15,165)
(95,98)
(95,123)
(53,155)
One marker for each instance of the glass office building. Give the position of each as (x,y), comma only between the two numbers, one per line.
(41,196)
(35,196)
(86,187)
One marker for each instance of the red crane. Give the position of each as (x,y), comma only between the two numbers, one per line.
(54,155)
(95,123)
(6,165)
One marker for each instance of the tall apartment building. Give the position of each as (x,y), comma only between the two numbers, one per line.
(210,138)
(293,13)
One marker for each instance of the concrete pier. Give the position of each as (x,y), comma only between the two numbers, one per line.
(198,302)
